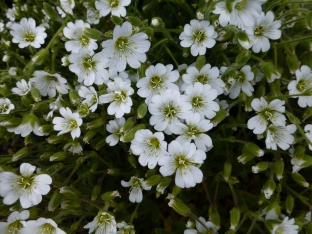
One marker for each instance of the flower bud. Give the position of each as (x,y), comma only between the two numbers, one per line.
(269,188)
(89,135)
(299,179)
(242,58)
(290,202)
(100,144)
(95,123)
(185,52)
(59,156)
(54,139)
(245,157)
(232,180)
(50,11)
(135,21)
(157,22)
(28,139)
(29,69)
(179,207)
(221,114)
(83,109)
(271,72)
(200,62)
(227,170)
(95,192)
(164,183)
(92,33)
(224,35)
(299,152)
(129,124)
(243,40)
(27,101)
(23,152)
(279,168)
(176,191)
(132,160)
(116,20)
(153,180)
(40,57)
(74,97)
(70,204)
(253,149)
(261,199)
(108,196)
(293,119)
(247,103)
(55,168)
(46,129)
(260,91)
(109,34)
(130,135)
(214,217)
(69,192)
(65,61)
(234,217)
(309,228)
(55,200)
(142,110)
(261,166)
(35,94)
(273,211)
(308,19)
(292,63)
(113,171)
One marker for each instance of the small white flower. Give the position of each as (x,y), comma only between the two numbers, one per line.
(78,41)
(150,147)
(125,228)
(12,12)
(27,187)
(183,161)
(15,222)
(137,185)
(301,85)
(5,106)
(103,223)
(286,227)
(116,7)
(116,128)
(22,88)
(73,147)
(281,136)
(200,229)
(198,35)
(157,79)
(266,112)
(90,95)
(56,105)
(125,48)
(206,75)
(265,28)
(201,97)
(42,225)
(89,68)
(69,123)
(194,129)
(27,34)
(118,97)
(48,84)
(67,6)
(93,16)
(167,110)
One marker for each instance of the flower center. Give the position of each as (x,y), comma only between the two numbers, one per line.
(192,131)
(113,3)
(15,227)
(51,78)
(4,108)
(122,43)
(153,143)
(105,219)
(170,112)
(302,85)
(199,36)
(89,63)
(156,82)
(120,96)
(73,124)
(84,40)
(136,183)
(241,77)
(280,230)
(266,114)
(259,30)
(83,109)
(47,229)
(26,182)
(29,36)
(181,161)
(197,102)
(202,78)
(240,6)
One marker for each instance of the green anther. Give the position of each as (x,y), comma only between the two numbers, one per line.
(266,114)
(73,124)
(104,219)
(120,96)
(89,63)
(192,131)
(29,36)
(202,78)
(197,101)
(84,40)
(181,161)
(241,77)
(4,108)
(136,183)
(154,143)
(156,82)
(199,36)
(51,78)
(113,3)
(47,229)
(170,112)
(302,85)
(25,182)
(15,227)
(122,43)
(259,31)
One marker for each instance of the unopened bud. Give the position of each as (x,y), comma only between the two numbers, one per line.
(22,153)
(253,149)
(153,180)
(35,93)
(27,101)
(292,63)
(260,91)
(234,217)
(243,40)
(227,170)
(92,33)
(40,57)
(164,183)
(176,190)
(271,72)
(95,192)
(245,157)
(242,58)
(157,22)
(135,21)
(55,200)
(299,152)
(142,110)
(113,171)
(100,144)
(50,11)
(89,135)
(69,192)
(45,129)
(179,207)
(130,135)
(279,168)
(116,20)
(29,69)
(108,196)
(129,124)
(186,52)
(273,211)
(293,119)
(54,139)
(290,202)
(300,179)
(214,217)
(59,156)
(261,166)
(65,61)
(74,97)
(109,34)
(221,114)
(70,204)
(269,188)
(132,160)
(200,62)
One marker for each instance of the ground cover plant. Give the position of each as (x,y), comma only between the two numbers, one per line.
(155,116)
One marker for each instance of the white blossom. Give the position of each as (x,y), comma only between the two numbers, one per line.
(286,227)
(137,185)
(103,223)
(15,222)
(22,87)
(116,7)
(6,106)
(281,136)
(116,128)
(90,95)
(42,225)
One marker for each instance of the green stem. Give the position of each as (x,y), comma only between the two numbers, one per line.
(168,30)
(295,40)
(71,174)
(275,53)
(291,12)
(159,43)
(252,226)
(55,35)
(134,213)
(208,196)
(303,133)
(234,195)
(301,198)
(191,215)
(291,21)
(171,55)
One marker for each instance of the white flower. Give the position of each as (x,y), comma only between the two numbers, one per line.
(67,6)
(125,228)
(73,147)
(308,130)
(90,95)
(42,225)
(157,79)
(48,84)
(78,41)
(198,35)
(201,99)
(200,229)
(137,185)
(56,105)
(302,84)
(27,187)
(194,129)
(27,34)
(126,48)
(286,227)
(22,88)
(30,123)
(89,68)
(206,75)
(118,97)
(241,82)
(5,106)
(15,222)
(116,127)
(150,147)
(103,223)
(12,12)
(265,28)
(70,123)
(116,7)
(183,161)
(281,136)
(167,110)
(266,112)
(93,16)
